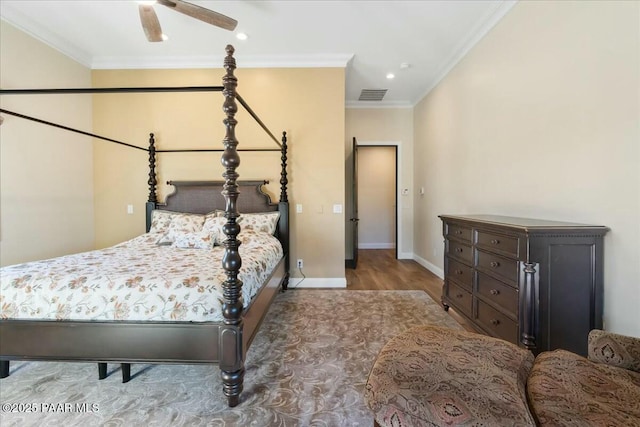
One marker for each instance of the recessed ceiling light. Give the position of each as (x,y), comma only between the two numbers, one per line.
(405,65)
(242,36)
(164,37)
(390,76)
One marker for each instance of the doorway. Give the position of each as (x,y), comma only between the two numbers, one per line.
(380,181)
(377,197)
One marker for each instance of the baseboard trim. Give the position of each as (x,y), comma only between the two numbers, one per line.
(317,282)
(405,255)
(429,266)
(376,245)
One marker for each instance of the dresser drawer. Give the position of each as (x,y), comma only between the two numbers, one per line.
(503,267)
(506,245)
(498,294)
(460,273)
(496,323)
(460,251)
(460,299)
(459,232)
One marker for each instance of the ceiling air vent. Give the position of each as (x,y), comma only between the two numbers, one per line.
(372,94)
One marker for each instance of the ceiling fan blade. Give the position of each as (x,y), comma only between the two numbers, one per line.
(150,23)
(201,13)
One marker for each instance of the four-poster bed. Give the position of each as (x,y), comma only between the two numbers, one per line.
(190,339)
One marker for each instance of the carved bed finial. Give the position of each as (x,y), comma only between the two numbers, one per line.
(231,361)
(153,198)
(283,174)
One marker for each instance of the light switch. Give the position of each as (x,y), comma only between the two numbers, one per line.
(299,208)
(337,208)
(130,209)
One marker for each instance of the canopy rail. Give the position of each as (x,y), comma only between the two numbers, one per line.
(257,119)
(103,90)
(93,135)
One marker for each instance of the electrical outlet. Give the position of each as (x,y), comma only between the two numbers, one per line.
(300,263)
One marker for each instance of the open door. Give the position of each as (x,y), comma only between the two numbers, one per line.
(353,262)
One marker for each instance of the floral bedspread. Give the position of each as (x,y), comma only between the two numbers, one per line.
(134,280)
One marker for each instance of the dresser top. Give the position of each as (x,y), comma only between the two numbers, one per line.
(525,223)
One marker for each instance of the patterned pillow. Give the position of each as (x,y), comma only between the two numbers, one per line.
(181,223)
(160,220)
(197,240)
(213,227)
(265,221)
(214,214)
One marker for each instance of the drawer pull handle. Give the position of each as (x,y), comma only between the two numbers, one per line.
(495,241)
(494,292)
(459,250)
(495,322)
(458,271)
(458,231)
(494,264)
(458,295)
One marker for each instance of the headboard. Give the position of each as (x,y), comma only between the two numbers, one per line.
(202,197)
(205,196)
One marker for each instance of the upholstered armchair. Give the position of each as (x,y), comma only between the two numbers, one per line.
(431,376)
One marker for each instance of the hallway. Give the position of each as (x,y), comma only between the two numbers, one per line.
(378,270)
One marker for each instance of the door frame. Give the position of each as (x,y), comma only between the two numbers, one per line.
(399,187)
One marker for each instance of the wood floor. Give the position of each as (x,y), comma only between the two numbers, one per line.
(379,270)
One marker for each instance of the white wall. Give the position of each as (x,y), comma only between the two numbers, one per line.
(46,174)
(377,197)
(541,119)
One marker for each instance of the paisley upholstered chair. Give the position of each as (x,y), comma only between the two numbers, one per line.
(430,376)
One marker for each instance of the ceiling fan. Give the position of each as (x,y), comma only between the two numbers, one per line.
(151,25)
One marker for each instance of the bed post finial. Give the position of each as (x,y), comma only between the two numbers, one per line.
(231,359)
(283,173)
(152,170)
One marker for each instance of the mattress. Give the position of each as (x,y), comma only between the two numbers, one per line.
(137,280)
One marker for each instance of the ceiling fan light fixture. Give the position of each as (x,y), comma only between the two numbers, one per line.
(242,36)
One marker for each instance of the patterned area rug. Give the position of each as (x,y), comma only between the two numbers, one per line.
(306,367)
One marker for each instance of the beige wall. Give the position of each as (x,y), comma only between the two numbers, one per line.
(377,197)
(385,126)
(541,119)
(307,103)
(46,190)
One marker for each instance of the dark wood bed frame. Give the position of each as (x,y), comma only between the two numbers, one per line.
(224,343)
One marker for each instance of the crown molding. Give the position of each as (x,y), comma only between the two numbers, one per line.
(476,34)
(17,19)
(215,61)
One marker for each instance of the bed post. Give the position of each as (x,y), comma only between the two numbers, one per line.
(283,207)
(153,198)
(231,351)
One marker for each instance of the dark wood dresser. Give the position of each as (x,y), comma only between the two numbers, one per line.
(532,282)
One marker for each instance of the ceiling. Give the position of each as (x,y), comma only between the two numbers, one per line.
(369,38)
